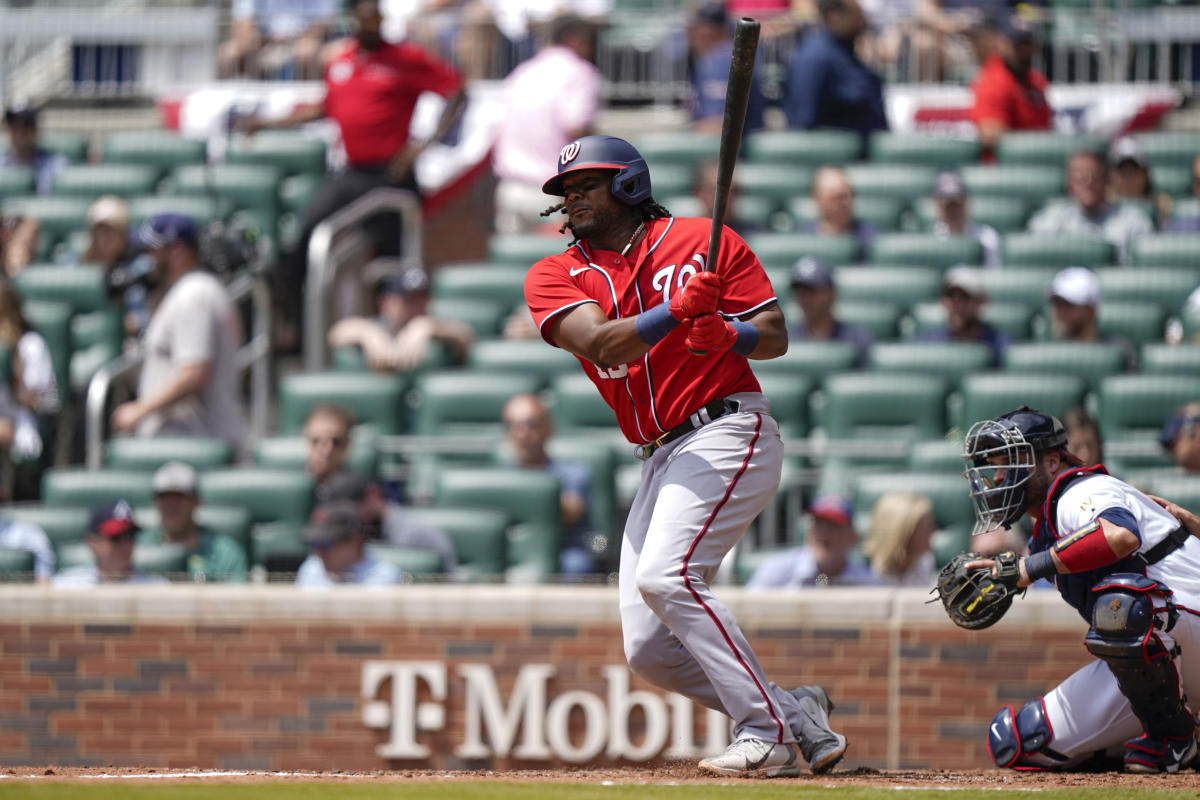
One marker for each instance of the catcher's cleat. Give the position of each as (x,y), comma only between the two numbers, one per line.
(755,758)
(821,747)
(1148,755)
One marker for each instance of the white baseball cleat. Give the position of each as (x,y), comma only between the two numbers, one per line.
(755,758)
(821,747)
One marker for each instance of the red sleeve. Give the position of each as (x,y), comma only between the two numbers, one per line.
(550,291)
(745,286)
(991,101)
(426,72)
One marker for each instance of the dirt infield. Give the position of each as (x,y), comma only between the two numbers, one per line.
(683,773)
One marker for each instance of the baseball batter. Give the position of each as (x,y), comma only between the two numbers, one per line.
(1128,567)
(628,298)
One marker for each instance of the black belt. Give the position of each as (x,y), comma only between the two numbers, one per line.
(713,409)
(1173,542)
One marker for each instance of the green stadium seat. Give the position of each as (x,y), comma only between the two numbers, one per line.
(885,212)
(1026,182)
(1166,359)
(1137,322)
(16,181)
(777,182)
(290,452)
(895,284)
(666,180)
(1005,214)
(479,539)
(162,558)
(203,209)
(150,454)
(500,283)
(1166,250)
(684,147)
(71,144)
(160,149)
(297,191)
(1057,250)
(949,361)
(270,495)
(486,317)
(81,287)
(925,248)
(596,452)
(245,187)
(85,363)
(15,564)
(1138,405)
(784,249)
(1185,208)
(813,360)
(278,546)
(372,398)
(880,319)
(1090,361)
(1183,490)
(936,455)
(578,405)
(901,181)
(1027,285)
(104,327)
(1169,287)
(531,498)
(813,148)
(57,215)
(523,250)
(412,561)
(62,523)
(757,210)
(529,357)
(914,148)
(466,401)
(293,152)
(53,321)
(1168,148)
(857,405)
(947,491)
(788,395)
(1175,181)
(988,395)
(87,488)
(93,180)
(1014,319)
(1043,149)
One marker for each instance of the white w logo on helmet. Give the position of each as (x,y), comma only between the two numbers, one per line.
(569,153)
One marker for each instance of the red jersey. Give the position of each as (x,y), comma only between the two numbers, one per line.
(658,391)
(371,95)
(1000,96)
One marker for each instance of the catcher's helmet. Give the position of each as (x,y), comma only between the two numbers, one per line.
(1008,444)
(631,183)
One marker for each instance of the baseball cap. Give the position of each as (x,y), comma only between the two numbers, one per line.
(1078,286)
(407,281)
(113,519)
(1175,426)
(343,486)
(966,279)
(333,523)
(812,271)
(835,508)
(1126,149)
(109,210)
(22,111)
(711,13)
(175,476)
(949,186)
(162,230)
(1016,27)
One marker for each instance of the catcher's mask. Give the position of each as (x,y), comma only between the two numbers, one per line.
(1001,454)
(631,180)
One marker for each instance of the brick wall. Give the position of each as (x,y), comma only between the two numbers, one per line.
(270,677)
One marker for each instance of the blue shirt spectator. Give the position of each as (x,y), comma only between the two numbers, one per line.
(825,559)
(337,539)
(23,149)
(711,50)
(19,535)
(812,284)
(963,297)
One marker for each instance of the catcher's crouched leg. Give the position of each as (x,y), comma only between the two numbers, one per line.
(1021,739)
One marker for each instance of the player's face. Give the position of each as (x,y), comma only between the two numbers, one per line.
(591,208)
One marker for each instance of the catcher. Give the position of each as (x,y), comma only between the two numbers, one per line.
(1121,560)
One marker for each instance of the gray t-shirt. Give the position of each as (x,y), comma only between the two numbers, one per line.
(1117,223)
(195,323)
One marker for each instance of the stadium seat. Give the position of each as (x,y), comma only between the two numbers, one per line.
(813,360)
(776,182)
(70,144)
(53,321)
(758,210)
(988,395)
(293,152)
(62,523)
(895,284)
(1183,490)
(161,149)
(857,405)
(1043,149)
(1175,181)
(1169,287)
(162,558)
(812,148)
(578,405)
(456,401)
(278,546)
(788,395)
(1138,405)
(478,536)
(530,357)
(58,215)
(936,455)
(269,495)
(1166,359)
(81,287)
(1136,321)
(290,452)
(947,491)
(902,181)
(1185,208)
(500,283)
(149,454)
(1168,148)
(372,398)
(880,319)
(949,361)
(203,209)
(531,498)
(1025,182)
(16,180)
(93,180)
(486,317)
(1166,250)
(86,488)
(598,455)
(1005,214)
(784,249)
(296,192)
(1056,250)
(523,250)
(942,152)
(1027,285)
(1014,319)
(1090,361)
(245,187)
(15,564)
(666,180)
(884,212)
(925,248)
(683,147)
(411,561)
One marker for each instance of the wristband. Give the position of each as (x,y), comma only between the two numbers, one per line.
(747,337)
(1040,565)
(654,325)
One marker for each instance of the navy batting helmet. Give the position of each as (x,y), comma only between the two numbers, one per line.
(631,183)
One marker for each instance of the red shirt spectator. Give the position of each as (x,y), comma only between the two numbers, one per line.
(1010,95)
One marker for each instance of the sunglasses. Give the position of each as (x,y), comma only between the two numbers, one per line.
(336,441)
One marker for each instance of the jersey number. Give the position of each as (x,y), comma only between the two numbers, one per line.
(612,373)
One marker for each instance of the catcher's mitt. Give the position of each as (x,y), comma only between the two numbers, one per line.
(973,598)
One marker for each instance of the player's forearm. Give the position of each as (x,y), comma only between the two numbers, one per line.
(772,334)
(614,343)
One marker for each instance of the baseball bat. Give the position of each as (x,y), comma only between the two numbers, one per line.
(737,95)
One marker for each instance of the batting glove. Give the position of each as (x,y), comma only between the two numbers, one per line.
(711,332)
(697,297)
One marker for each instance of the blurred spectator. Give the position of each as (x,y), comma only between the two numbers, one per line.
(710,50)
(1010,95)
(1088,212)
(210,556)
(17,534)
(704,189)
(518,325)
(327,438)
(1129,179)
(549,101)
(813,287)
(108,245)
(1083,437)
(35,396)
(189,381)
(277,39)
(528,428)
(1189,224)
(18,242)
(953,217)
(1180,437)
(23,150)
(110,537)
(1075,307)
(338,550)
(828,85)
(825,558)
(963,297)
(898,540)
(834,197)
(399,338)
(371,90)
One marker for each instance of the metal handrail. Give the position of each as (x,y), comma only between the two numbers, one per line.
(323,271)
